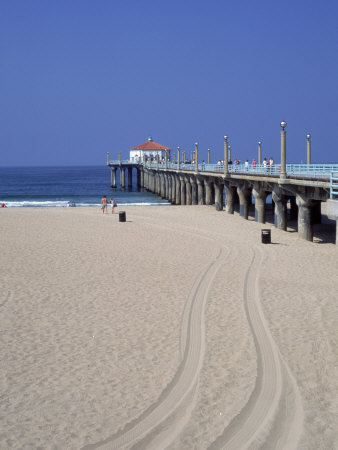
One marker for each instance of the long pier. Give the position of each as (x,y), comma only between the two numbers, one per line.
(304,186)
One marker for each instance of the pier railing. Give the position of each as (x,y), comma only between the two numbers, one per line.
(306,171)
(334,185)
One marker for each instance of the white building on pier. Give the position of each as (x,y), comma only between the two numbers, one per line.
(149,149)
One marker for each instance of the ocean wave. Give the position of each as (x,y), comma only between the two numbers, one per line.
(58,204)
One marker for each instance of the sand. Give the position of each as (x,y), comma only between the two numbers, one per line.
(177,329)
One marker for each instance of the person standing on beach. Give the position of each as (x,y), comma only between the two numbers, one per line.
(113,204)
(104,204)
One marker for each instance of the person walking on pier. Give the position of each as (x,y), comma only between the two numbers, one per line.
(104,204)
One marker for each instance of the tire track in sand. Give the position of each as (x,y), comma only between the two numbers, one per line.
(164,420)
(267,420)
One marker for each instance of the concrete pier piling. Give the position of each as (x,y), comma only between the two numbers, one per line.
(305,228)
(260,198)
(122,178)
(113,177)
(130,177)
(200,189)
(244,194)
(280,217)
(183,191)
(178,191)
(194,191)
(219,196)
(188,190)
(229,196)
(208,192)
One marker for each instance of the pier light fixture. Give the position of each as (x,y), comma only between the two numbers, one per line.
(282,175)
(196,156)
(259,152)
(226,156)
(308,148)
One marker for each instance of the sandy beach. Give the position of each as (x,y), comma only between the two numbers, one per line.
(177,329)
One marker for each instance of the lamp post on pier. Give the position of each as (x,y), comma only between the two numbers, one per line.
(283,150)
(229,152)
(308,148)
(226,159)
(208,155)
(259,152)
(196,156)
(178,158)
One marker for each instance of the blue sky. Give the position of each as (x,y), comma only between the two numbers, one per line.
(79,79)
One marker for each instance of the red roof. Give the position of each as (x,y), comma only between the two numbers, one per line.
(150,145)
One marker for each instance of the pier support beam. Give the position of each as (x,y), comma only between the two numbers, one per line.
(169,187)
(152,182)
(182,183)
(218,196)
(200,190)
(113,177)
(187,190)
(229,198)
(260,198)
(280,208)
(166,181)
(122,177)
(244,195)
(305,228)
(178,190)
(163,185)
(142,178)
(173,189)
(130,177)
(212,185)
(158,183)
(208,192)
(332,213)
(194,191)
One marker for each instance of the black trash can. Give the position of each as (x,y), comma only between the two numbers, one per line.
(266,236)
(122,216)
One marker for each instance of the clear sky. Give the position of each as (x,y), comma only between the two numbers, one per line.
(82,78)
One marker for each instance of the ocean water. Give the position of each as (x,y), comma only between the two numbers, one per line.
(56,186)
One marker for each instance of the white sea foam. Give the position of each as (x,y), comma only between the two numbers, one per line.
(63,203)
